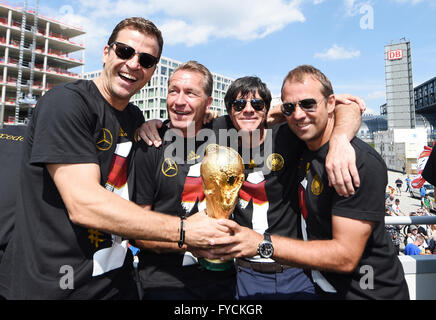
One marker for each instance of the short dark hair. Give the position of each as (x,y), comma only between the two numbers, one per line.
(245,86)
(143,25)
(195,66)
(299,73)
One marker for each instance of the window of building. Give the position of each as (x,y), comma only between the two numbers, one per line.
(163,114)
(163,70)
(147,114)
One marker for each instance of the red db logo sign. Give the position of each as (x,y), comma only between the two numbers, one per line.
(395,54)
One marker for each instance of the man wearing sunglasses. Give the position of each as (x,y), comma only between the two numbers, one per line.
(72,210)
(169,181)
(344,243)
(266,204)
(266,201)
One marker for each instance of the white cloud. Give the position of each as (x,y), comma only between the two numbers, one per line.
(375,95)
(198,21)
(337,53)
(190,22)
(352,7)
(413,2)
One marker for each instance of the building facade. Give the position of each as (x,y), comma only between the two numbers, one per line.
(56,52)
(370,125)
(425,106)
(151,99)
(400,103)
(400,148)
(425,100)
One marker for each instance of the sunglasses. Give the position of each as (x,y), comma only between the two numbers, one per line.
(307,105)
(257,104)
(125,52)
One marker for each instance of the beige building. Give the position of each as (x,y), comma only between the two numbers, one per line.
(56,52)
(401,147)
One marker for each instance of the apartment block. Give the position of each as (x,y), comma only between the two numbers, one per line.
(56,52)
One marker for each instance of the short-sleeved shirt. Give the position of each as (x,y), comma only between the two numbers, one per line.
(50,257)
(267,199)
(11,143)
(168,178)
(422,192)
(379,259)
(412,250)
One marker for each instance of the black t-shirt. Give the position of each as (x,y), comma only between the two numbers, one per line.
(267,199)
(168,178)
(429,172)
(11,142)
(366,204)
(49,257)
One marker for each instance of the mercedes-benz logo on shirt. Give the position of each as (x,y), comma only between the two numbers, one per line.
(105,140)
(169,168)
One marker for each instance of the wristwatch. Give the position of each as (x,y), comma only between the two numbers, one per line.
(266,249)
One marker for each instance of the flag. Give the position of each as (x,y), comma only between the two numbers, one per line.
(422,161)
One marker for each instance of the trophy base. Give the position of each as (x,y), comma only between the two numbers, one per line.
(215,265)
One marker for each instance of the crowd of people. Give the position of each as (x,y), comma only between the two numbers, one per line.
(410,239)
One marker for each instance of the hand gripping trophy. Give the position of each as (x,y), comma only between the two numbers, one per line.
(222,172)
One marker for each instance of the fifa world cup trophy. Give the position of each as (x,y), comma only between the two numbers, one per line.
(222,172)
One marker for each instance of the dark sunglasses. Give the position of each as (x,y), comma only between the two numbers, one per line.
(308,105)
(257,104)
(125,52)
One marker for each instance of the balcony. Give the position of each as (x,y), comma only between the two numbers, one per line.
(56,54)
(15,25)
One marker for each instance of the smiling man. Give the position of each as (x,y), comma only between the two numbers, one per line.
(72,211)
(345,245)
(266,203)
(170,182)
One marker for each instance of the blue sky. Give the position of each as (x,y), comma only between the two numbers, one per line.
(343,38)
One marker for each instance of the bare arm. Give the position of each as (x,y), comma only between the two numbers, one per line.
(91,205)
(341,158)
(341,254)
(158,246)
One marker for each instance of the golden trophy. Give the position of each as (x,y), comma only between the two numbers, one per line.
(222,172)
